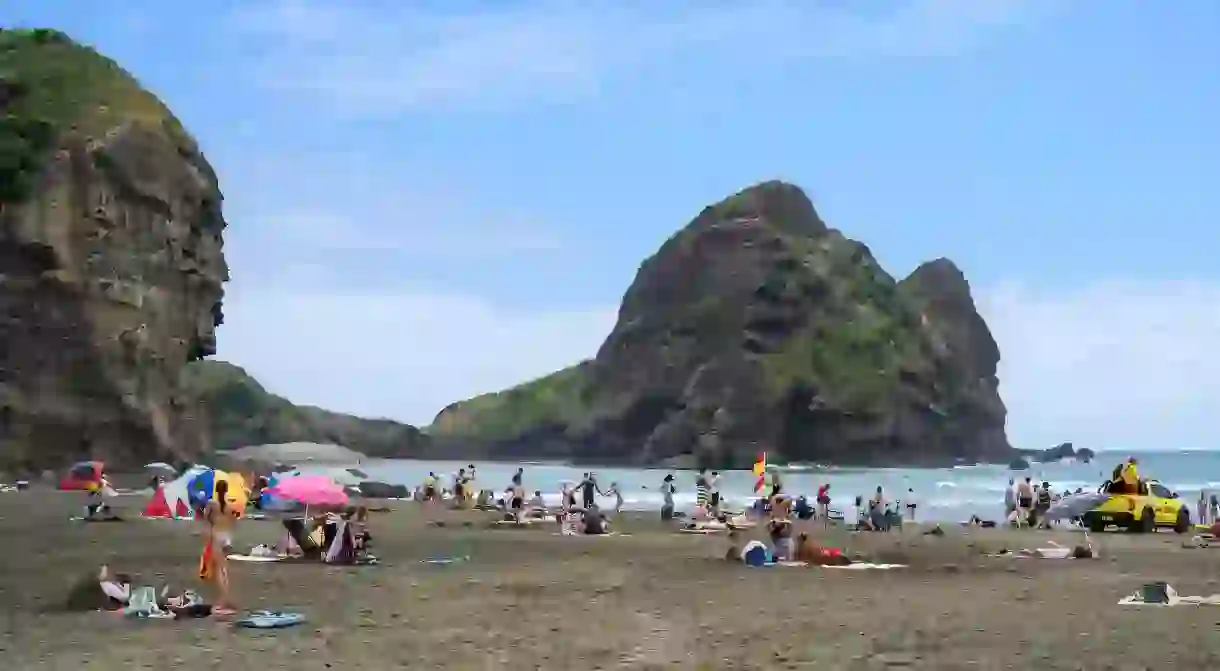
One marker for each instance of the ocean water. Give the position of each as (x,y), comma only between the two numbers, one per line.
(947,494)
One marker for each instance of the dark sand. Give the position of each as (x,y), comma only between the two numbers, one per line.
(655,600)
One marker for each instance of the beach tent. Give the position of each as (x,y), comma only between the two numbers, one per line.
(172,500)
(756,554)
(202,488)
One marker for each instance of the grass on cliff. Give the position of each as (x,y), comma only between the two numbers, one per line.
(242,412)
(555,398)
(855,350)
(51,85)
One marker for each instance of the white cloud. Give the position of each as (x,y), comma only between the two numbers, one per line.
(403,354)
(1122,365)
(319,205)
(396,58)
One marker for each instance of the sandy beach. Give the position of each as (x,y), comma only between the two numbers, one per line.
(529,599)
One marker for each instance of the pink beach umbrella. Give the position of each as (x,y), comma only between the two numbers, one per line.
(311,490)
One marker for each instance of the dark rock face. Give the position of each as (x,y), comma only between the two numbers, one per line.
(111,266)
(1059,453)
(754,328)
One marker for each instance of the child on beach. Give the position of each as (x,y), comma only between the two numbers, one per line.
(618,496)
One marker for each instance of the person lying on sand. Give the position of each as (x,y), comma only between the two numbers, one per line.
(808,552)
(111,591)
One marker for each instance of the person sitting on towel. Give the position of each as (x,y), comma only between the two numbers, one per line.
(595,522)
(536,506)
(802,509)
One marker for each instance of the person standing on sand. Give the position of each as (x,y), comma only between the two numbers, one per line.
(667,497)
(587,486)
(214,565)
(1025,501)
(1201,508)
(701,492)
(1215,509)
(911,503)
(429,488)
(459,487)
(824,504)
(713,487)
(1010,499)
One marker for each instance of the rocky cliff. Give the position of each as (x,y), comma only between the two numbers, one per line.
(237,411)
(111,263)
(759,327)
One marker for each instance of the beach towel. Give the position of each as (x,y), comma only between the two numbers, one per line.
(865,566)
(265,619)
(205,562)
(143,603)
(1162,594)
(443,561)
(257,558)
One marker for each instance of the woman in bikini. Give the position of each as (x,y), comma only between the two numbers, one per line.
(220,518)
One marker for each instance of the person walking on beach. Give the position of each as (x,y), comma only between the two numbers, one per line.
(214,565)
(618,496)
(1201,508)
(911,504)
(713,494)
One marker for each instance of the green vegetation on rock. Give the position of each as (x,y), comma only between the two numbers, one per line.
(51,85)
(239,411)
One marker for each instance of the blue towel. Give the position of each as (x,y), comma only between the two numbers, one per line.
(264,619)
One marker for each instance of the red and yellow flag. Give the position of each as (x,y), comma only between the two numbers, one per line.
(760,471)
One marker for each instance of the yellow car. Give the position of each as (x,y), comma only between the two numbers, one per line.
(1141,513)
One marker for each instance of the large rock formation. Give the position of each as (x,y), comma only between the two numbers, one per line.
(758,327)
(111,263)
(236,411)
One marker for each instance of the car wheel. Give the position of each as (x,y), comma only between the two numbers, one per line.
(1183,523)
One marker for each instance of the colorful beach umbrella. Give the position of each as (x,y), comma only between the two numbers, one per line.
(311,490)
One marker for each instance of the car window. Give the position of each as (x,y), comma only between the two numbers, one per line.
(1159,491)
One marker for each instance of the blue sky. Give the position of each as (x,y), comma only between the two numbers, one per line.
(432,199)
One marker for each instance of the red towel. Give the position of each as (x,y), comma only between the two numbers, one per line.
(205,562)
